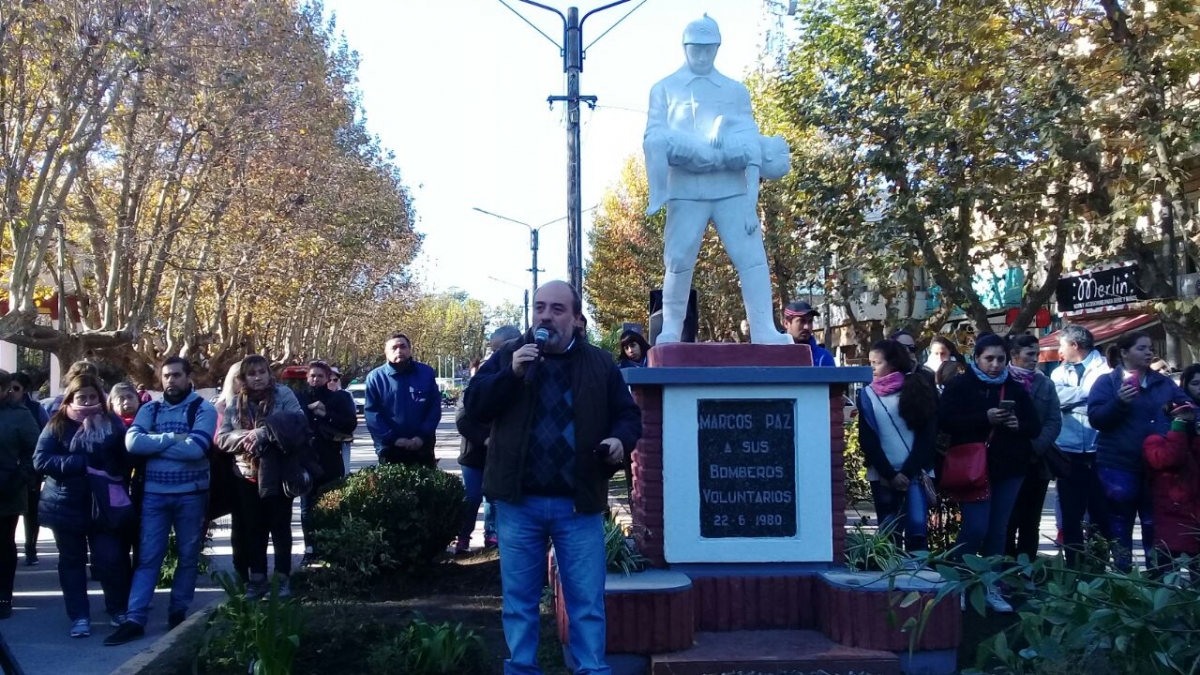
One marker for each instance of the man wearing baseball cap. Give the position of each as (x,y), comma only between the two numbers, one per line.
(798,322)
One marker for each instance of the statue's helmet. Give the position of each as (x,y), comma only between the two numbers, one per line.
(702,31)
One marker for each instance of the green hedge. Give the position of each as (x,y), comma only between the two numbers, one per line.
(417,511)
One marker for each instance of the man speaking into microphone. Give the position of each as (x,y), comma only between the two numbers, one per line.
(562,420)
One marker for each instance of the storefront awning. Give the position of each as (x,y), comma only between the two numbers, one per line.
(1104,329)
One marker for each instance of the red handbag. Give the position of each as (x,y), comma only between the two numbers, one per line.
(964,473)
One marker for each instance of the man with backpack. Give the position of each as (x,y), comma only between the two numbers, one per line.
(173,436)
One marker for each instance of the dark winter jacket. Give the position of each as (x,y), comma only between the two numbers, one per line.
(66,500)
(1123,427)
(233,431)
(472,450)
(1174,474)
(328,431)
(39,413)
(287,454)
(403,403)
(18,437)
(962,413)
(603,409)
(920,456)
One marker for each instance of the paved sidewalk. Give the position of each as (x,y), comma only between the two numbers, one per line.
(37,633)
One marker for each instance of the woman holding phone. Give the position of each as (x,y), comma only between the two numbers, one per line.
(1125,407)
(986,405)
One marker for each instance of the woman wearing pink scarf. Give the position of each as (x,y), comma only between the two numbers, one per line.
(83,437)
(1024,524)
(896,430)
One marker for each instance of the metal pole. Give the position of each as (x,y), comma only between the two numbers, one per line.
(533,246)
(573,64)
(526,309)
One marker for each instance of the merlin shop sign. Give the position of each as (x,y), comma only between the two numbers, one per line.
(747,455)
(1102,288)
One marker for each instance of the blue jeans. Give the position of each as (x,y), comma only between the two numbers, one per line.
(525,529)
(111,568)
(473,482)
(985,524)
(1126,498)
(160,514)
(908,508)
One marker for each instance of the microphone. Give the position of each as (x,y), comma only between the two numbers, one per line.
(540,336)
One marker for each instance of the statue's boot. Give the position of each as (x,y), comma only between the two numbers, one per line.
(756,296)
(676,288)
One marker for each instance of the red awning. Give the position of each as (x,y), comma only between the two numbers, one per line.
(1103,329)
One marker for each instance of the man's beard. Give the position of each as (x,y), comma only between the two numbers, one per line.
(176,394)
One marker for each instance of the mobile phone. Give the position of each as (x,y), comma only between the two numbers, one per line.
(602,452)
(1007,405)
(1132,379)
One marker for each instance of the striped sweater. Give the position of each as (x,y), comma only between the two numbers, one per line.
(173,467)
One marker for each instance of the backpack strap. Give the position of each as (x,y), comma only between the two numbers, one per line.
(192,410)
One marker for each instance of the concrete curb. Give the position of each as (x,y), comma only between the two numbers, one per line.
(138,661)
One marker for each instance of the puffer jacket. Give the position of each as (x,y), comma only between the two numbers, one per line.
(66,500)
(1124,426)
(1173,468)
(18,438)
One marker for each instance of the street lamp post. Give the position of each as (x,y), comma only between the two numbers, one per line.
(533,242)
(573,53)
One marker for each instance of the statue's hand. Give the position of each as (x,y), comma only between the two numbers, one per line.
(737,157)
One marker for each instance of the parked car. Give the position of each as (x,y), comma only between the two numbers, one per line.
(359,391)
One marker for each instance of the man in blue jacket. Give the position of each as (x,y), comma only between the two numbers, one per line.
(403,406)
(798,322)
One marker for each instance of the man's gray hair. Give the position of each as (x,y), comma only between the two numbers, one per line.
(1079,335)
(505,333)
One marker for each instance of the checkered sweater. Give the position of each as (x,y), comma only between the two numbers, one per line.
(173,467)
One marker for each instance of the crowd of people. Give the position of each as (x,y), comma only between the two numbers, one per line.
(1118,437)
(545,422)
(115,475)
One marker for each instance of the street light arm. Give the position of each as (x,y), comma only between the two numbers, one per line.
(559,220)
(497,215)
(548,8)
(618,22)
(531,25)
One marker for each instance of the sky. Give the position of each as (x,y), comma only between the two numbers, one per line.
(457,90)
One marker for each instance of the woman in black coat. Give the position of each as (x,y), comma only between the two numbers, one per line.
(83,439)
(971,411)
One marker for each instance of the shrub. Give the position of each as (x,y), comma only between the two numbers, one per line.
(260,636)
(355,553)
(874,551)
(620,553)
(166,574)
(428,649)
(858,489)
(1107,623)
(418,510)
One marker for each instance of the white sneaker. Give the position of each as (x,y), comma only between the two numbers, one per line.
(998,604)
(81,628)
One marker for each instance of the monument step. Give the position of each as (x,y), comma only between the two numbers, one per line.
(772,651)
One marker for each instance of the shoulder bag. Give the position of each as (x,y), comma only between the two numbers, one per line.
(964,475)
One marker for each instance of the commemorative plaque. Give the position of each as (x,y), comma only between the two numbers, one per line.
(747,453)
